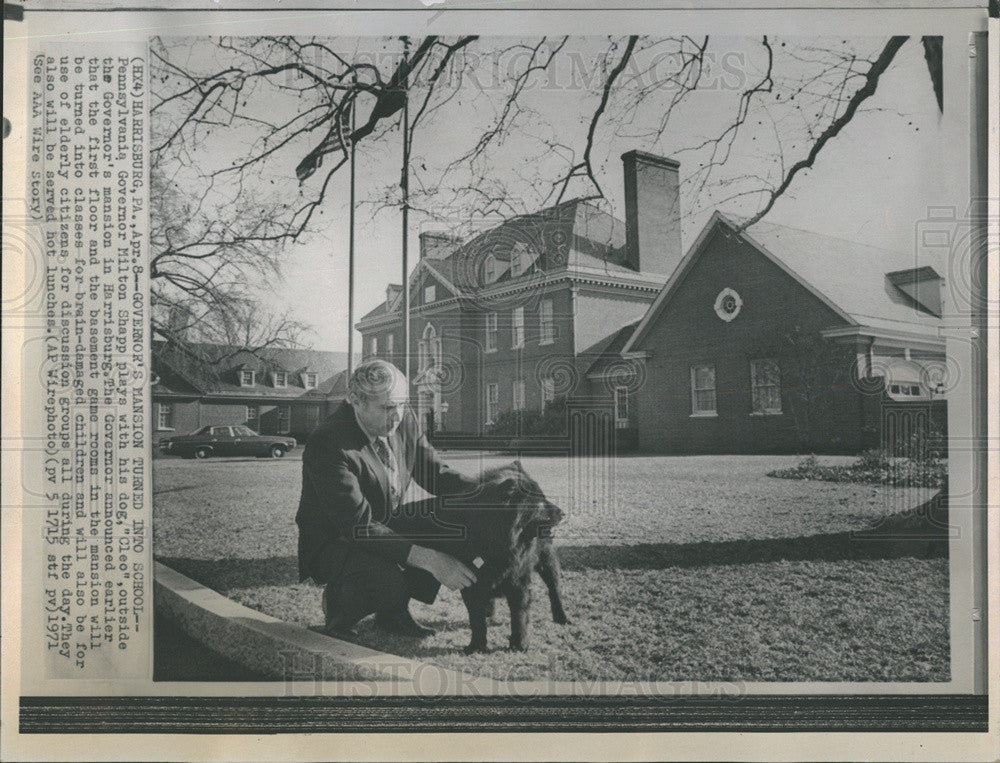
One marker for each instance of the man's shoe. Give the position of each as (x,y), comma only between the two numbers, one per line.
(337,622)
(401,623)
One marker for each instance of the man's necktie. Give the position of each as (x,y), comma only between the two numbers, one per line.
(389,461)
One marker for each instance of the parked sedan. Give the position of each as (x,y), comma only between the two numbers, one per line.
(226,441)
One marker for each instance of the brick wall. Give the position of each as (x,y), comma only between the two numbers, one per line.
(184,414)
(470,367)
(534,360)
(689,332)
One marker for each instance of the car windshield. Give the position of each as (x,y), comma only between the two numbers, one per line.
(204,430)
(244,431)
(220,431)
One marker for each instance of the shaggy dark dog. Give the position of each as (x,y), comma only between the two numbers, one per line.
(506,535)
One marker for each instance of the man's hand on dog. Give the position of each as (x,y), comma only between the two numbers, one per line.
(447,569)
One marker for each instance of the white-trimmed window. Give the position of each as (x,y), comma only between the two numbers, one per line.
(765,386)
(492,402)
(517,328)
(164,416)
(703,390)
(309,380)
(284,419)
(253,417)
(908,389)
(489,269)
(546,326)
(430,294)
(247,378)
(621,407)
(517,394)
(373,347)
(312,416)
(279,378)
(390,345)
(435,350)
(429,349)
(516,263)
(548,385)
(491,332)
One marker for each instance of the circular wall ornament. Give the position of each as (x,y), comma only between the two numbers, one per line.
(728,304)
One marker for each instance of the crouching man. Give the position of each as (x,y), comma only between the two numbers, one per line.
(355,534)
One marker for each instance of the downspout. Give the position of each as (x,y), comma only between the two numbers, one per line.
(869,367)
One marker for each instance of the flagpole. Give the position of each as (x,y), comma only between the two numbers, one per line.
(405,187)
(350,260)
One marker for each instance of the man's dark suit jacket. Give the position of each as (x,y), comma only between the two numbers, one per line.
(345,489)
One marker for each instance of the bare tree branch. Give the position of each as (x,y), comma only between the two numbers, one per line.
(234,117)
(860,96)
(586,166)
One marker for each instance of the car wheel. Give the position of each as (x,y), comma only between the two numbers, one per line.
(277,451)
(202,453)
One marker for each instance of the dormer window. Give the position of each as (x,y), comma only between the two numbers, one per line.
(247,378)
(490,269)
(429,294)
(309,380)
(279,379)
(923,285)
(516,263)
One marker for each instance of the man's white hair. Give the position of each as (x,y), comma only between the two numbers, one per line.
(374,378)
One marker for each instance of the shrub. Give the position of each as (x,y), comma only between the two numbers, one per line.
(873,467)
(550,422)
(873,458)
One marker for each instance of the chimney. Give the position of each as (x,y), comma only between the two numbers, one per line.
(437,246)
(652,213)
(392,291)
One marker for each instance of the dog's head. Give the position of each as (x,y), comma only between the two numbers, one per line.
(529,513)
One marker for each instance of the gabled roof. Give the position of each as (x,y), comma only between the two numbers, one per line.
(438,276)
(213,368)
(851,275)
(850,278)
(381,309)
(608,350)
(422,267)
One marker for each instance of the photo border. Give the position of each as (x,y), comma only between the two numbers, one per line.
(598,714)
(395,714)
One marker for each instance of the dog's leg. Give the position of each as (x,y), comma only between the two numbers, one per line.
(518,593)
(476,602)
(548,568)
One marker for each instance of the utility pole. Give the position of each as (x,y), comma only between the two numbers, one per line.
(350,256)
(405,187)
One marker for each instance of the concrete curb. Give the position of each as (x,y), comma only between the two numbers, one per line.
(291,653)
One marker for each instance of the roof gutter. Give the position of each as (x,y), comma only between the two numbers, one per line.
(910,339)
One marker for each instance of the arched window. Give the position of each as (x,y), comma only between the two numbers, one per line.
(489,269)
(421,355)
(430,348)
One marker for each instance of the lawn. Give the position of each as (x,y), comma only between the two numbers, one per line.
(675,569)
